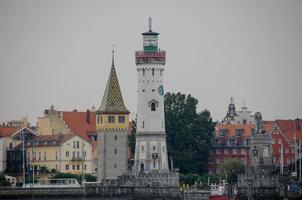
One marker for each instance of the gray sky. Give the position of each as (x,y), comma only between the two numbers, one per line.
(59,52)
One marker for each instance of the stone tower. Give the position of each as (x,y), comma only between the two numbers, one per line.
(112,124)
(151,149)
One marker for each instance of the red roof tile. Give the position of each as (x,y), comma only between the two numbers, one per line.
(247,128)
(8,131)
(289,129)
(78,124)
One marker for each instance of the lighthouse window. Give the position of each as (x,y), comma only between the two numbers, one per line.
(152,71)
(152,106)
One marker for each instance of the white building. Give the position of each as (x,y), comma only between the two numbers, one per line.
(244,116)
(151,148)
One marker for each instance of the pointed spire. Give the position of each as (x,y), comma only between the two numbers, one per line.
(112,56)
(112,102)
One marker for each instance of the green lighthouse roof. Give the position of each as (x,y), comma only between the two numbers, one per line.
(112,102)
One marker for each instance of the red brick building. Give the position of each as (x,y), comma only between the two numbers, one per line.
(231,141)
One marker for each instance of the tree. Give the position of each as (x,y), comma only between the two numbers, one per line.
(231,168)
(189,133)
(131,138)
(3,181)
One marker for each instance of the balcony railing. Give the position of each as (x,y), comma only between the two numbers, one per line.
(145,57)
(76,159)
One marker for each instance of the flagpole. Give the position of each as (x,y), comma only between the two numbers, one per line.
(33,162)
(300,160)
(23,157)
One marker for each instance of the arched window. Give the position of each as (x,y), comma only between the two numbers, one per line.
(152,71)
(143,72)
(152,106)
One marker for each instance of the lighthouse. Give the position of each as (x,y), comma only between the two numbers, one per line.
(151,149)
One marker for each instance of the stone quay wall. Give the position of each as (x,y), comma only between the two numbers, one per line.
(169,193)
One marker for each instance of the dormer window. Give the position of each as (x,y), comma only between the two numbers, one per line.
(223,132)
(238,132)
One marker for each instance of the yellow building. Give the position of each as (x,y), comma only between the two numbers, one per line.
(66,153)
(52,123)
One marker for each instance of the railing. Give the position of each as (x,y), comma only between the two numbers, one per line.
(145,57)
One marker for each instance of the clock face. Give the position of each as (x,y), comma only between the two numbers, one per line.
(161,90)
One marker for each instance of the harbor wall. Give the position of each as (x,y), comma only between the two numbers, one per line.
(100,192)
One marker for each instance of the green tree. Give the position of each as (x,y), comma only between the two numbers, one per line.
(3,181)
(131,138)
(189,133)
(231,168)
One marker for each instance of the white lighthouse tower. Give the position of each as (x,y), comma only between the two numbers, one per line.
(151,149)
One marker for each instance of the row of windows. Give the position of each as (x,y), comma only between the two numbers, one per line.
(152,71)
(231,151)
(231,142)
(74,167)
(153,148)
(111,119)
(34,156)
(75,154)
(238,132)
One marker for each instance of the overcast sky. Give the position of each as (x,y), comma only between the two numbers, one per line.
(59,52)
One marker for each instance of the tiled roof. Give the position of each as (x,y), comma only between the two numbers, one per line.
(48,140)
(288,128)
(77,122)
(247,128)
(112,101)
(8,131)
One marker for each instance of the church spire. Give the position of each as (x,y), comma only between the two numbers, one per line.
(112,102)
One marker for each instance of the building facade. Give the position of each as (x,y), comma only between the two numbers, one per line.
(112,124)
(10,138)
(232,141)
(151,148)
(68,153)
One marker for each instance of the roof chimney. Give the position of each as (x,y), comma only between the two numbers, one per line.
(297,124)
(88,116)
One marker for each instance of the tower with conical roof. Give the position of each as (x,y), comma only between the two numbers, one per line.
(112,124)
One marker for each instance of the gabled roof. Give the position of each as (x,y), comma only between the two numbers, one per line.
(112,102)
(78,123)
(8,131)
